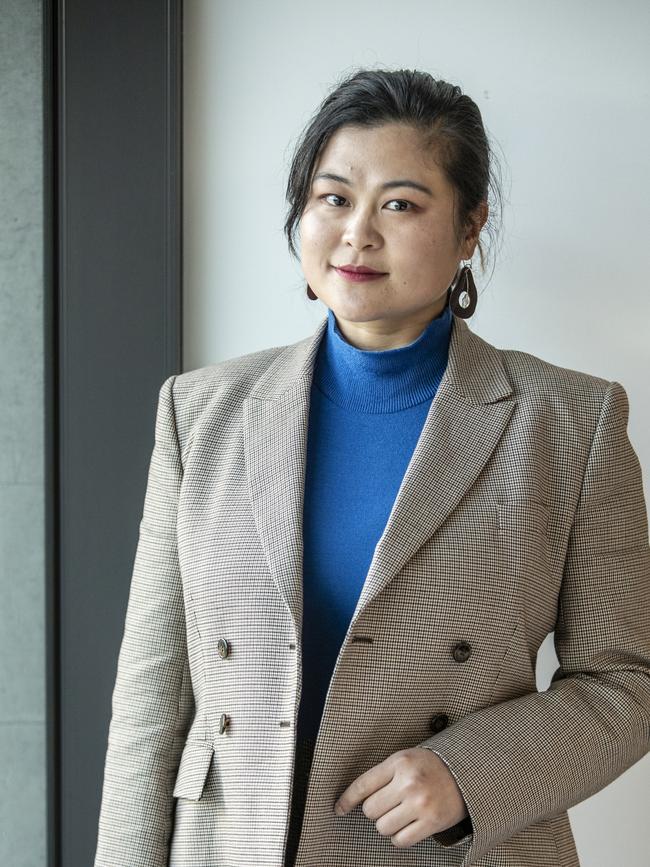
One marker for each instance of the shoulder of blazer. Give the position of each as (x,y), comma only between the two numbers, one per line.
(548,396)
(233,378)
(535,378)
(554,398)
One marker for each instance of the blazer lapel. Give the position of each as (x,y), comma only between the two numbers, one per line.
(466,419)
(275,425)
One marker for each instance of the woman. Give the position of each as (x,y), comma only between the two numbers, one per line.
(353,546)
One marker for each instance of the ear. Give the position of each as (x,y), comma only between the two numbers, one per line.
(477,219)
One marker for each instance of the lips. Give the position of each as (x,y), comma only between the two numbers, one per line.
(361,274)
(358,269)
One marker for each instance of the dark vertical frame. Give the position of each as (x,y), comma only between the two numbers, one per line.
(112,75)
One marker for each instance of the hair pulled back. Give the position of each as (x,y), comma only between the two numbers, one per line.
(450,123)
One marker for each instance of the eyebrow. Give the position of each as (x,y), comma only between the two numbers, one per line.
(404,182)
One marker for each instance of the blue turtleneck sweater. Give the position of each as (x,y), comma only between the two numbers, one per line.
(366,413)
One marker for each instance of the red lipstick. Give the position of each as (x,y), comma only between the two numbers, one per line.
(358,273)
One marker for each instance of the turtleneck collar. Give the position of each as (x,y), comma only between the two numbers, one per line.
(387,380)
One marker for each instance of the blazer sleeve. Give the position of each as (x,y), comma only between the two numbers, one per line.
(152,701)
(527,759)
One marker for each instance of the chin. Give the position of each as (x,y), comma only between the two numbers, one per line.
(356,315)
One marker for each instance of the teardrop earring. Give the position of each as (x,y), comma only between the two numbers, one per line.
(464,296)
(311,294)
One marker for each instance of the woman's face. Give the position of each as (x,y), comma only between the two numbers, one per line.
(406,233)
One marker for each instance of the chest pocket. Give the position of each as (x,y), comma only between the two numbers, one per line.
(524,532)
(530,557)
(525,516)
(487,559)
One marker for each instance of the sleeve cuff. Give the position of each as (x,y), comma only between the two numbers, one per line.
(456,834)
(461,831)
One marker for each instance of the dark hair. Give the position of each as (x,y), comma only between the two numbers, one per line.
(449,120)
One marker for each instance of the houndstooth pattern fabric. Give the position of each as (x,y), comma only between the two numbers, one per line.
(521,513)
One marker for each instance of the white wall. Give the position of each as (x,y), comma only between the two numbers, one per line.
(563,89)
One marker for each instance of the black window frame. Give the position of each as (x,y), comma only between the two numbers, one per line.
(112,154)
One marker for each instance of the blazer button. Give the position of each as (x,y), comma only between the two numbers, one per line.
(224,722)
(223,648)
(438,722)
(461,651)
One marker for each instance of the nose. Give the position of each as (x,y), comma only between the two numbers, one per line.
(360,231)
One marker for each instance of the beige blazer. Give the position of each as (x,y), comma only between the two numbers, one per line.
(521,513)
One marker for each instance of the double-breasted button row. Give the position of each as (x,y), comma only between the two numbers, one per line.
(461,651)
(223,649)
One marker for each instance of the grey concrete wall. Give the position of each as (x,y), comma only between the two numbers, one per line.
(22,543)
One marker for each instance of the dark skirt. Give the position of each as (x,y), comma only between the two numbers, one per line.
(304,754)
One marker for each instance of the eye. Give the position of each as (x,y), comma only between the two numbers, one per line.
(332,196)
(399,201)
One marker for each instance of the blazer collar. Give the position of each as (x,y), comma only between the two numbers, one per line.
(474,367)
(466,420)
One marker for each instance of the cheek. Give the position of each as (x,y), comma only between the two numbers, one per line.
(411,249)
(315,230)
(429,236)
(433,254)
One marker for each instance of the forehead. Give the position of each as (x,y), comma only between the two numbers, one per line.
(373,153)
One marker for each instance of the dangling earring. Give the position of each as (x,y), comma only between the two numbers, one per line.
(311,294)
(464,296)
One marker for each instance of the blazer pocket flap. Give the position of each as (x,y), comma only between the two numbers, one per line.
(193,769)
